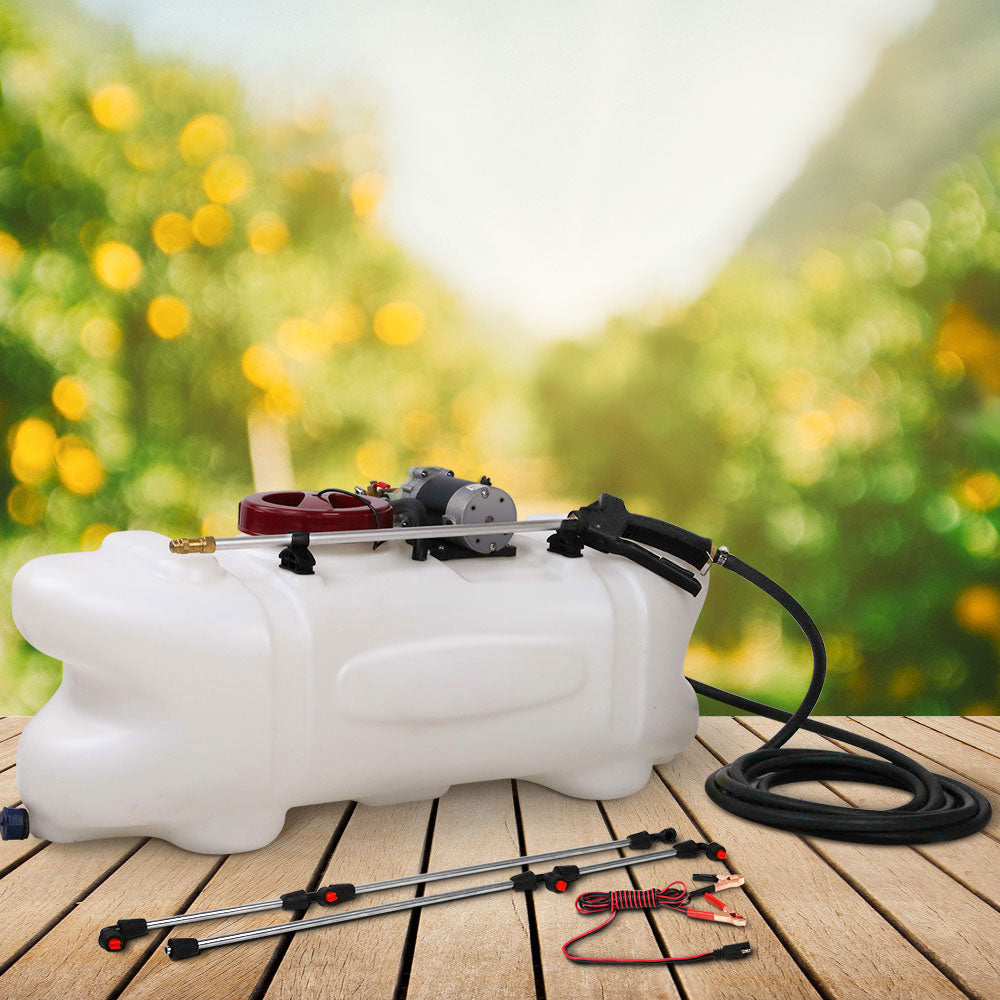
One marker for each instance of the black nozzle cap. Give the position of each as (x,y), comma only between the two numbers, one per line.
(715,851)
(115,937)
(111,938)
(13,823)
(740,950)
(178,948)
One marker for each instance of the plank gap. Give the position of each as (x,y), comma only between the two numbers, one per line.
(284,942)
(529,902)
(66,910)
(410,941)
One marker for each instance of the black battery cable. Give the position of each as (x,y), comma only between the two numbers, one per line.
(941,808)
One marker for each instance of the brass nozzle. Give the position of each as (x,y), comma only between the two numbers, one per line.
(185,546)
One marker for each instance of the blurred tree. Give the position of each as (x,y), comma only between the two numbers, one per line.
(176,274)
(836,423)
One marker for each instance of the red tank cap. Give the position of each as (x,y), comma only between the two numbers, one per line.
(283,511)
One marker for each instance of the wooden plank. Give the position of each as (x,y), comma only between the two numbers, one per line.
(981,737)
(13,725)
(68,963)
(990,721)
(231,973)
(474,944)
(957,930)
(819,915)
(8,753)
(968,761)
(39,891)
(552,821)
(359,959)
(12,851)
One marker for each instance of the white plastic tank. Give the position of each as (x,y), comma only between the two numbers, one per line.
(203,696)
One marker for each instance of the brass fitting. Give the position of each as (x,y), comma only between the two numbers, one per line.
(185,546)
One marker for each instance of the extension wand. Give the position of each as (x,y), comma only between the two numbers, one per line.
(557,880)
(116,936)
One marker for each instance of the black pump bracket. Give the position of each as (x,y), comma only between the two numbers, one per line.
(296,556)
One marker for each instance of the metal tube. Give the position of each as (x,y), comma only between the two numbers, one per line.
(184,546)
(394,883)
(406,904)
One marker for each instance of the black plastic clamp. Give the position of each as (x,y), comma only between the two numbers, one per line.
(325,895)
(297,558)
(643,840)
(178,948)
(525,881)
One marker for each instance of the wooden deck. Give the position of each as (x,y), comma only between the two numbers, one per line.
(826,920)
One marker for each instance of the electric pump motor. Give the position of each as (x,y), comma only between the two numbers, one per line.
(450,500)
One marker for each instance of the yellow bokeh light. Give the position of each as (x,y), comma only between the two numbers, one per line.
(418,429)
(981,490)
(118,266)
(814,430)
(10,254)
(115,106)
(399,323)
(93,535)
(172,232)
(211,225)
(168,316)
(262,366)
(226,179)
(219,523)
(79,468)
(376,460)
(978,610)
(343,322)
(70,397)
(25,505)
(204,137)
(366,193)
(282,399)
(100,338)
(267,232)
(32,450)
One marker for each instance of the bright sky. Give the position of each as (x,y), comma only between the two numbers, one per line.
(558,161)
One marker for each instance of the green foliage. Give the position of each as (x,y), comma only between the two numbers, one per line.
(837,425)
(176,274)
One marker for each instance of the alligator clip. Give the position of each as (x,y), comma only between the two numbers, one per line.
(729,882)
(719,918)
(726,915)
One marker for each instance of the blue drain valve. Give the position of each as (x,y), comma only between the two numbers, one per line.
(13,823)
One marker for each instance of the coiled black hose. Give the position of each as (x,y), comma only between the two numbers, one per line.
(941,808)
